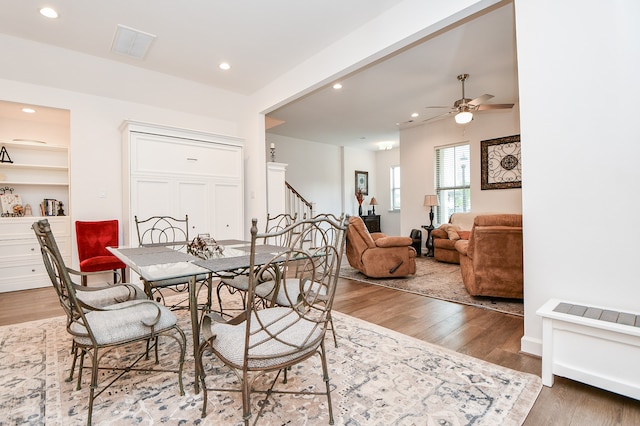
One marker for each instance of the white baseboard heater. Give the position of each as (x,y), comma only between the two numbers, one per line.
(593,345)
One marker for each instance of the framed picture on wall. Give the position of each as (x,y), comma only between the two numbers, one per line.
(501,165)
(362,181)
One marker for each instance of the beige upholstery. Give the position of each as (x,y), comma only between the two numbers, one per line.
(377,255)
(491,259)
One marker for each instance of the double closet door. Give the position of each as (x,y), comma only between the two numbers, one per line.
(178,172)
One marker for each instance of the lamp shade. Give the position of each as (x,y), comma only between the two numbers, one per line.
(373,201)
(463,117)
(430,200)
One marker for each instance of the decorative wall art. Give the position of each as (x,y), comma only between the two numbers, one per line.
(501,163)
(362,182)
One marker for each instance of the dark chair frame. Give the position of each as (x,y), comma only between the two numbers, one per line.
(274,338)
(174,233)
(83,318)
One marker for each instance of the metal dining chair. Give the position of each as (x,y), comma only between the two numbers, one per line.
(238,283)
(174,233)
(263,339)
(96,330)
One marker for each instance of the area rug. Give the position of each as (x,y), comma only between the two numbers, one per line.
(378,377)
(438,280)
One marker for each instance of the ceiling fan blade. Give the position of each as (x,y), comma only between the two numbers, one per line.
(438,107)
(439,116)
(493,106)
(480,100)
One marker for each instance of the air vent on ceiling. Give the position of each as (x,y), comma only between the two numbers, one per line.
(131,42)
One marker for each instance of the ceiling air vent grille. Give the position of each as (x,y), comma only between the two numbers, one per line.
(131,42)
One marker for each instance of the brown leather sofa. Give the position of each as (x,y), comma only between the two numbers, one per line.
(445,236)
(377,255)
(491,259)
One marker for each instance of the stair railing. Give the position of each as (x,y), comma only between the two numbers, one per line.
(296,203)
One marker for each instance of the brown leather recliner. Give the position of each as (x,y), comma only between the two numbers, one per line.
(377,255)
(491,259)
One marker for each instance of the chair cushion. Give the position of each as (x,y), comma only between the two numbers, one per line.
(101,263)
(124,322)
(109,295)
(290,290)
(296,342)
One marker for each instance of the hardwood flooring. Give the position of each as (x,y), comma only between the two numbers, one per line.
(481,333)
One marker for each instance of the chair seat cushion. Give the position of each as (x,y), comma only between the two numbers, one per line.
(101,263)
(288,293)
(297,337)
(109,295)
(124,322)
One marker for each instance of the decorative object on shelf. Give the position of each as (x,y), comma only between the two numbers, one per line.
(51,207)
(4,156)
(27,210)
(362,182)
(360,198)
(273,152)
(204,247)
(501,163)
(11,204)
(373,203)
(430,201)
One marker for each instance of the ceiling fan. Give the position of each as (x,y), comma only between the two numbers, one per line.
(463,108)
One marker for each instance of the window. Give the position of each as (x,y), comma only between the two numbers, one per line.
(395,187)
(453,181)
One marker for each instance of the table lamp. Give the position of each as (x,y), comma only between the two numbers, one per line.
(430,201)
(373,203)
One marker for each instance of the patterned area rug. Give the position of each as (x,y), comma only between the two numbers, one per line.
(378,377)
(440,281)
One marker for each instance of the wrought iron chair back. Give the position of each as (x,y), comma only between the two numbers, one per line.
(237,282)
(158,230)
(273,338)
(97,329)
(172,232)
(278,223)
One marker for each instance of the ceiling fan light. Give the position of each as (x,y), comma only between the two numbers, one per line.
(464,117)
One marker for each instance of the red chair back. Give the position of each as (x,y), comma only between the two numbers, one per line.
(94,237)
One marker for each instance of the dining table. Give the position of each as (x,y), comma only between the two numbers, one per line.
(164,261)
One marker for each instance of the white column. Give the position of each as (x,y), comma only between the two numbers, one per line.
(276,191)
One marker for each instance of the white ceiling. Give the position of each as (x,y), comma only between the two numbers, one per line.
(261,40)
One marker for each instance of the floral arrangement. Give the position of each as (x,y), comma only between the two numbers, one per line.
(359,196)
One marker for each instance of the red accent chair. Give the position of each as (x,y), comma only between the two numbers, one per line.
(93,238)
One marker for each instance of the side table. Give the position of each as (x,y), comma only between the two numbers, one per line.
(429,243)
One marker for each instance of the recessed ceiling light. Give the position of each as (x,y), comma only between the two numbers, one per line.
(28,110)
(337,86)
(224,66)
(48,12)
(415,114)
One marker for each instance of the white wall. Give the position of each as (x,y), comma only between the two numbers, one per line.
(313,169)
(578,66)
(417,155)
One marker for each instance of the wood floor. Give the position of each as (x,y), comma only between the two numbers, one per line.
(481,333)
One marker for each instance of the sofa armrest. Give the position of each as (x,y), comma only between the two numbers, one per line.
(377,235)
(439,233)
(462,247)
(394,242)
